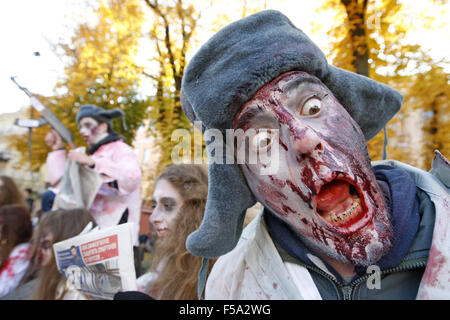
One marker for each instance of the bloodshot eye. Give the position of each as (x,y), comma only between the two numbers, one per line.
(311,107)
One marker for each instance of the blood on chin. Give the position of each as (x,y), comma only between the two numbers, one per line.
(360,249)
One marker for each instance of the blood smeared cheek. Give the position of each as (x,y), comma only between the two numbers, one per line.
(287,192)
(281,195)
(342,134)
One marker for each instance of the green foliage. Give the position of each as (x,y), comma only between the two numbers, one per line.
(174,24)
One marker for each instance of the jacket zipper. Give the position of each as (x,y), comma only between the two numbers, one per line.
(415,264)
(348,290)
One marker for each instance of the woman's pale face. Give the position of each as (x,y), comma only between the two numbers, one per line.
(45,254)
(166,203)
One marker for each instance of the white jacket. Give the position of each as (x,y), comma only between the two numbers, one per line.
(117,161)
(254,271)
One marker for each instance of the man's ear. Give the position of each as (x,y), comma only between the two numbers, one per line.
(104,127)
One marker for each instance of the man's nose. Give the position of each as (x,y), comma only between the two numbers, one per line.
(305,141)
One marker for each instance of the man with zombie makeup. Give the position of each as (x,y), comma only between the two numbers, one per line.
(333,226)
(118,200)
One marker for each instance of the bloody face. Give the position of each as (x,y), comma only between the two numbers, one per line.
(324,188)
(91,130)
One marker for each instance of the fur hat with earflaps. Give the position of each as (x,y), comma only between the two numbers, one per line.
(225,74)
(100,114)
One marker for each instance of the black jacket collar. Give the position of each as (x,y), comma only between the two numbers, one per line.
(109,138)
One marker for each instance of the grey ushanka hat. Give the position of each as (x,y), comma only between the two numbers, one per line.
(226,72)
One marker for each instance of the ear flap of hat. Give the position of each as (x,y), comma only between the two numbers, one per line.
(189,111)
(111,114)
(370,103)
(108,115)
(228,199)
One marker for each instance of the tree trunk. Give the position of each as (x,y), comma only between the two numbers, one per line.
(356,15)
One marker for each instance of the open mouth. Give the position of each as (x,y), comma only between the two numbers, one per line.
(340,205)
(161,231)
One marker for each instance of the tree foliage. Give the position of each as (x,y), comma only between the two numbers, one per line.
(368,37)
(100,69)
(173,26)
(174,34)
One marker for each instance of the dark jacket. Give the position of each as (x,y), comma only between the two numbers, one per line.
(399,282)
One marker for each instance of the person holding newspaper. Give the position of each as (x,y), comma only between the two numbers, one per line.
(118,199)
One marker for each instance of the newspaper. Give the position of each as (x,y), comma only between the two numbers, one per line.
(79,186)
(99,263)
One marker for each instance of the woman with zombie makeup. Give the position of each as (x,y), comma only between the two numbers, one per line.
(15,233)
(333,224)
(9,192)
(178,203)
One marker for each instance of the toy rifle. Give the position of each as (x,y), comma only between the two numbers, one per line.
(48,116)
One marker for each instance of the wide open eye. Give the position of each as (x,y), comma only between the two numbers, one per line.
(311,107)
(261,141)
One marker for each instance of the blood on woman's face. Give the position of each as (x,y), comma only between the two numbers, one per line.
(324,188)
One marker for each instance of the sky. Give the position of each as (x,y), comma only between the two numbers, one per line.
(28,26)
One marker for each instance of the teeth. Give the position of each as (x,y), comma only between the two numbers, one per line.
(339,217)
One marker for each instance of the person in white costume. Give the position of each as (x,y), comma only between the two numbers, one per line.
(334,225)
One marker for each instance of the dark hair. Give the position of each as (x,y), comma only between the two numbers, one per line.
(16,228)
(9,193)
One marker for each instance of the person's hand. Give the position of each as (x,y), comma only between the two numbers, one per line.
(54,140)
(81,158)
